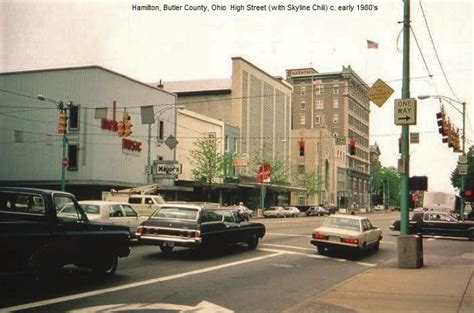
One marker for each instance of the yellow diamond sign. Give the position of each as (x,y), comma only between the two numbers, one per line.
(379,92)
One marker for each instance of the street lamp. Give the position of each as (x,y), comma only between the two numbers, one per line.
(463,113)
(62,108)
(155,117)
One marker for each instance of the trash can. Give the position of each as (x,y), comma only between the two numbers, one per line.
(410,251)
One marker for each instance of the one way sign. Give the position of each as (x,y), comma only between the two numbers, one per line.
(405,111)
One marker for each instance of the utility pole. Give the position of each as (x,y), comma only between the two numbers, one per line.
(405,128)
(410,251)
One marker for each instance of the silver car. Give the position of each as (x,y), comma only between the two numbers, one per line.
(119,213)
(274,211)
(291,211)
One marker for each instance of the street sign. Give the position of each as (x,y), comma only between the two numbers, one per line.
(405,111)
(379,92)
(462,167)
(171,142)
(340,141)
(166,169)
(65,161)
(463,159)
(414,137)
(462,171)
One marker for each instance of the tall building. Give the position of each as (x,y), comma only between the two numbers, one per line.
(337,102)
(259,106)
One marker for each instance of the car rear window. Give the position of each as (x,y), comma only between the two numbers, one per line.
(22,203)
(176,213)
(342,222)
(90,208)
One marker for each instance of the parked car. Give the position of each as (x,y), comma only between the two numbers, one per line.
(274,211)
(332,209)
(43,230)
(317,210)
(437,224)
(346,233)
(198,226)
(291,211)
(117,213)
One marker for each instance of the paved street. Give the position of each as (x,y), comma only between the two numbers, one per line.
(282,273)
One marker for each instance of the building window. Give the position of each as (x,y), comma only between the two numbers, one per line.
(301,200)
(335,118)
(300,169)
(303,119)
(319,89)
(72,157)
(336,103)
(317,119)
(319,104)
(74,117)
(226,143)
(303,106)
(303,90)
(335,89)
(161,130)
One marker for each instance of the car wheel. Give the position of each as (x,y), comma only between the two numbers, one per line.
(377,246)
(252,242)
(166,249)
(471,234)
(107,265)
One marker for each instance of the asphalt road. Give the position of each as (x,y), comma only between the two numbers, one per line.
(284,271)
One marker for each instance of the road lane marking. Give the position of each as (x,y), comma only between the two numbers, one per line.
(289,235)
(290,247)
(134,285)
(316,256)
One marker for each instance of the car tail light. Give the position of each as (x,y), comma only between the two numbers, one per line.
(319,236)
(140,230)
(352,241)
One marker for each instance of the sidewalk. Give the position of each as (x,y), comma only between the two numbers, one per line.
(432,288)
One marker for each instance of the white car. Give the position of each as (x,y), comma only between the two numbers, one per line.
(274,211)
(291,211)
(346,233)
(119,213)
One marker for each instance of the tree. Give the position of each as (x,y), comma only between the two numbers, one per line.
(469,177)
(207,162)
(279,171)
(386,180)
(313,182)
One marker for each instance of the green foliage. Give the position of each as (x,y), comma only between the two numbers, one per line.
(279,171)
(387,179)
(456,178)
(313,182)
(207,161)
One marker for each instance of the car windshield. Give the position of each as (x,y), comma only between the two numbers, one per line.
(176,213)
(342,222)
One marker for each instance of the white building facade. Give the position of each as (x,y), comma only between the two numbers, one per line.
(31,148)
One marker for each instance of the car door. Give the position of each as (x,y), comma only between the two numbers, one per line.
(231,228)
(131,217)
(69,237)
(369,231)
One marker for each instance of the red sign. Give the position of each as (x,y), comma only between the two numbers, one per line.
(131,145)
(108,124)
(468,193)
(65,161)
(264,173)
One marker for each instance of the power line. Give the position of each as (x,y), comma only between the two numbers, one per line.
(424,60)
(436,52)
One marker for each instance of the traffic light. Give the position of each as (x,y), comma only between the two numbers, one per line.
(120,128)
(352,147)
(418,183)
(440,116)
(127,125)
(62,122)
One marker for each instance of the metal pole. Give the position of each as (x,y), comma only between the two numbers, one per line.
(148,176)
(405,128)
(463,177)
(63,166)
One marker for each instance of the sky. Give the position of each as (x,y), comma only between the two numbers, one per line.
(192,44)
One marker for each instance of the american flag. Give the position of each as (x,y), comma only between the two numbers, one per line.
(372,44)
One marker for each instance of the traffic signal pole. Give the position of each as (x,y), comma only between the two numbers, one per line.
(405,128)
